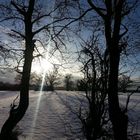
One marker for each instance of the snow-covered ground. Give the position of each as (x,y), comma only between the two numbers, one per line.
(51,115)
(133,111)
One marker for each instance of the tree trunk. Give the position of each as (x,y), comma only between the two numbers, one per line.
(112,33)
(118,118)
(17,114)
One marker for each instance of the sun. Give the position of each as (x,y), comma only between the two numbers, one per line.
(41,66)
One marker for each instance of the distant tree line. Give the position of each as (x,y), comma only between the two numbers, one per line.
(66,82)
(9,86)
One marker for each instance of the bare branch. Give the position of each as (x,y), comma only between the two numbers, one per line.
(76,19)
(40,17)
(40,43)
(9,18)
(23,36)
(21,11)
(38,55)
(46,26)
(127,9)
(97,9)
(45,15)
(18,65)
(128,99)
(126,30)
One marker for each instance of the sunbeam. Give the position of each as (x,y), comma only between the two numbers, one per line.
(42,83)
(40,95)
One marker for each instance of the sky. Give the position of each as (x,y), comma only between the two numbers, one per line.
(73,67)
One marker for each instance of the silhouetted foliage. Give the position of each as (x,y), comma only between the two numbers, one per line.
(124,82)
(112,14)
(81,85)
(9,86)
(95,121)
(52,78)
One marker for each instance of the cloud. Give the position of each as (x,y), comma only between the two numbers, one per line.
(7,77)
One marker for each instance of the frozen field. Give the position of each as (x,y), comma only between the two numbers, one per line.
(51,115)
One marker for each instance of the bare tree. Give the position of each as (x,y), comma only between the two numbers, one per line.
(17,114)
(112,13)
(81,85)
(124,82)
(95,85)
(52,78)
(28,20)
(35,79)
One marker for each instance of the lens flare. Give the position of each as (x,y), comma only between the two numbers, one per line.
(42,83)
(39,97)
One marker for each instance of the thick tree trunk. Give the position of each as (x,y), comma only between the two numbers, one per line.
(118,118)
(17,114)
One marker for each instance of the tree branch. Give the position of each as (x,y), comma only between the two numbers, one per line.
(126,30)
(18,9)
(9,18)
(46,26)
(97,9)
(45,15)
(129,9)
(23,36)
(128,99)
(76,19)
(40,17)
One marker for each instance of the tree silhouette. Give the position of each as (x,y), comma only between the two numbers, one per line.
(124,82)
(52,78)
(112,13)
(68,82)
(28,20)
(95,85)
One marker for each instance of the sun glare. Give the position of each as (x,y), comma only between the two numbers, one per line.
(40,67)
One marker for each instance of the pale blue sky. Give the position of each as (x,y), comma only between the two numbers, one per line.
(135,17)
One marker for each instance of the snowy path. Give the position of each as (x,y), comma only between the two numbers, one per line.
(55,118)
(52,120)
